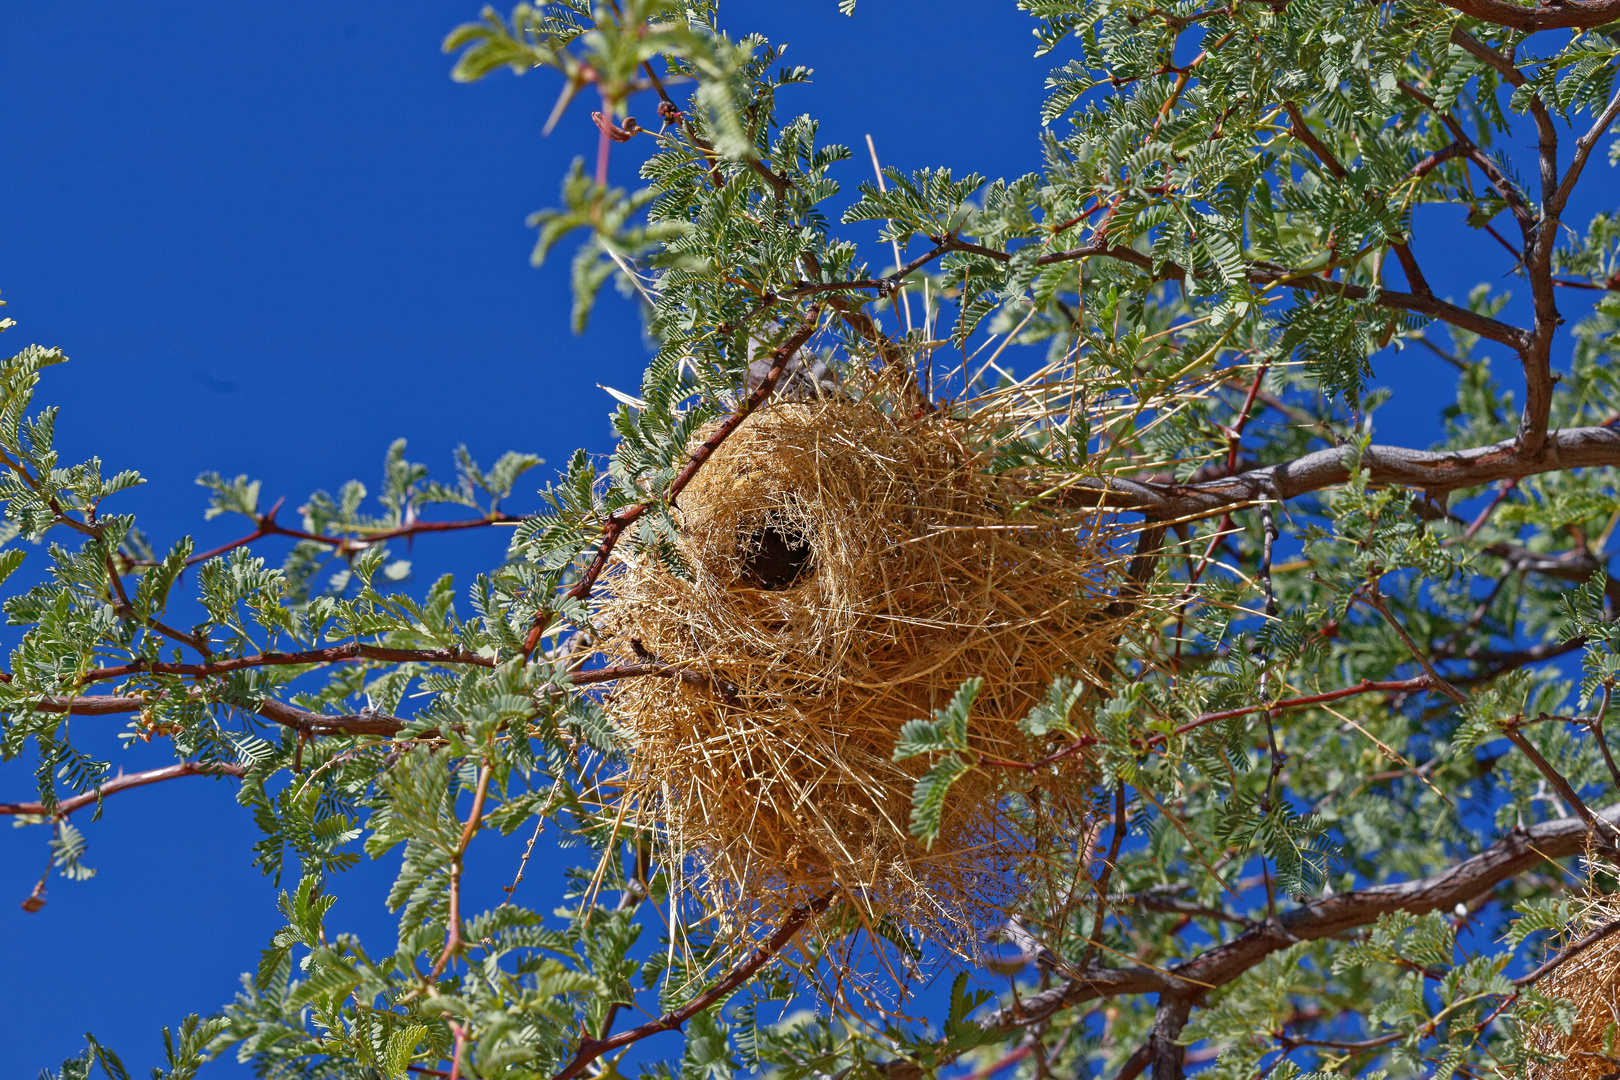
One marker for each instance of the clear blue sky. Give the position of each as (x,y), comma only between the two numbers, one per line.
(272,238)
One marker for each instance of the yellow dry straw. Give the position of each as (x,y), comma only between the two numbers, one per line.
(847,570)
(1590,980)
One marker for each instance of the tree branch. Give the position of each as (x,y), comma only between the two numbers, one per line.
(333,655)
(1438,472)
(268,526)
(591,1049)
(1565,790)
(1304,134)
(620,520)
(1366,686)
(1461,883)
(475,817)
(1570,14)
(313,723)
(1165,1051)
(1489,56)
(1583,150)
(1564,954)
(124,783)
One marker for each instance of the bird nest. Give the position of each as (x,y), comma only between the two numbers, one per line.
(1589,980)
(839,571)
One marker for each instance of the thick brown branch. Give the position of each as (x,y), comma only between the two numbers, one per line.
(1487,55)
(1516,853)
(591,1049)
(1304,134)
(1570,14)
(124,783)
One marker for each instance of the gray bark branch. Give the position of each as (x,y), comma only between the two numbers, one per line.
(1437,472)
(1466,881)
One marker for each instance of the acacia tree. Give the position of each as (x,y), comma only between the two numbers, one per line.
(1349,794)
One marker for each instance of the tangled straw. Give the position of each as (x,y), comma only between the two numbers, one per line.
(842,569)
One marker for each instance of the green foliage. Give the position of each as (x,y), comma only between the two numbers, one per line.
(947,736)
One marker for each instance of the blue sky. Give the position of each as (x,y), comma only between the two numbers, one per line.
(274,237)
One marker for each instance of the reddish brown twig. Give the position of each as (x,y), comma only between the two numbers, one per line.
(591,1049)
(1304,134)
(312,723)
(1105,877)
(333,655)
(1502,492)
(1010,1058)
(268,526)
(1366,686)
(617,522)
(460,1034)
(452,937)
(124,783)
(1035,766)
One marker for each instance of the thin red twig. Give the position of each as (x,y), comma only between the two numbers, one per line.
(1366,686)
(591,1049)
(452,936)
(124,783)
(620,520)
(268,526)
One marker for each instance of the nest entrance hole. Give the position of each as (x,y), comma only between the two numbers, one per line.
(776,555)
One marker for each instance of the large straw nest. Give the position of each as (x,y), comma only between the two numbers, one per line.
(1590,980)
(845,569)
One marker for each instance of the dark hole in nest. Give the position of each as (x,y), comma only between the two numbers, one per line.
(776,556)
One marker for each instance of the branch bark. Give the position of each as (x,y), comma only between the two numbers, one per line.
(591,1049)
(268,526)
(1570,14)
(314,723)
(620,520)
(124,783)
(333,655)
(1466,881)
(1437,472)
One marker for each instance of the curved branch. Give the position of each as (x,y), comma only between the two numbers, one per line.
(1570,14)
(620,520)
(268,526)
(1466,881)
(124,783)
(591,1049)
(1266,273)
(1438,472)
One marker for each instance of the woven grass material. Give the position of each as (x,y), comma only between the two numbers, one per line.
(920,568)
(1590,979)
